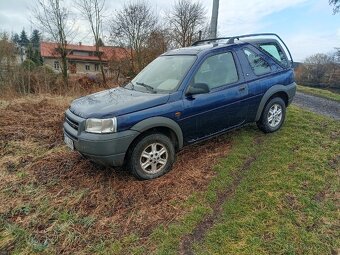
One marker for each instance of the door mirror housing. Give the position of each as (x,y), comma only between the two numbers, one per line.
(198,88)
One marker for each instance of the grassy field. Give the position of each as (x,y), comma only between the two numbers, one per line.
(319,92)
(243,193)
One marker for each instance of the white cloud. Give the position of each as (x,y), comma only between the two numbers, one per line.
(235,17)
(304,45)
(244,16)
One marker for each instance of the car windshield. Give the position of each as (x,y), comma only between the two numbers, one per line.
(162,75)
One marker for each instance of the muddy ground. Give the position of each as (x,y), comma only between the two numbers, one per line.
(65,201)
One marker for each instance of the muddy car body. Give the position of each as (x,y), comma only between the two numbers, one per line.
(184,96)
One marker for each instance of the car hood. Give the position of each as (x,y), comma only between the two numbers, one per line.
(115,102)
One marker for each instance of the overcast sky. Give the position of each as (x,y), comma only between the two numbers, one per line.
(307,26)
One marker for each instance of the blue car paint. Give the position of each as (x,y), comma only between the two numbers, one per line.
(227,106)
(200,116)
(115,102)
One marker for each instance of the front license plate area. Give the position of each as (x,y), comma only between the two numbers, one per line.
(69,142)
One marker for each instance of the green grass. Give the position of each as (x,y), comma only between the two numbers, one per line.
(285,202)
(168,238)
(319,92)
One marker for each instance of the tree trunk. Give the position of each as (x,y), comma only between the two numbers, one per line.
(132,60)
(101,67)
(64,70)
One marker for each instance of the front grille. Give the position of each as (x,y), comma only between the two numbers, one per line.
(72,123)
(74,138)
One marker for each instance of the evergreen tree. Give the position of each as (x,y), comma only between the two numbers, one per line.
(37,58)
(16,39)
(23,38)
(34,55)
(30,52)
(35,39)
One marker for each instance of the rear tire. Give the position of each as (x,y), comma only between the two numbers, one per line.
(273,115)
(151,156)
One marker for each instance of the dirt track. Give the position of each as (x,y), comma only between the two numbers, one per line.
(318,105)
(206,224)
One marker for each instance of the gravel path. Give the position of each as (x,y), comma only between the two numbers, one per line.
(318,105)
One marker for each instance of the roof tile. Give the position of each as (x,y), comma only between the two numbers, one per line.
(48,50)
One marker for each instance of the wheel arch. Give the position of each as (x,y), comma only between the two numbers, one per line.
(275,91)
(162,125)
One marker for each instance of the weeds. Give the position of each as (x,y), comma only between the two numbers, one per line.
(66,204)
(274,193)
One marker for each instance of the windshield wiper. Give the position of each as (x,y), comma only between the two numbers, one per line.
(148,87)
(132,85)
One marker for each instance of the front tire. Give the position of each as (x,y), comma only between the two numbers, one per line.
(272,116)
(151,156)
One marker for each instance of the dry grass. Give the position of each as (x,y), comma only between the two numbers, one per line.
(53,200)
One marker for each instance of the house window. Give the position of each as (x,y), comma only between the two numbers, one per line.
(87,67)
(81,53)
(96,67)
(56,65)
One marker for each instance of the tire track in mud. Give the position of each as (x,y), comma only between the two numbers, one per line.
(224,195)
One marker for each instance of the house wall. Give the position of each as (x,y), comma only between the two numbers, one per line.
(80,66)
(82,69)
(50,63)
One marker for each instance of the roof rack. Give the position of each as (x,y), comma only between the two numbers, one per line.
(209,40)
(231,40)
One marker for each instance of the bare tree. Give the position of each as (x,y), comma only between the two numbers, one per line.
(7,59)
(318,67)
(53,18)
(337,55)
(186,20)
(132,27)
(92,11)
(335,4)
(157,43)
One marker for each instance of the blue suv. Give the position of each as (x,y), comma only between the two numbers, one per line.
(184,96)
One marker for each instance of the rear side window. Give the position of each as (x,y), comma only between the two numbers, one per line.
(257,63)
(217,70)
(275,51)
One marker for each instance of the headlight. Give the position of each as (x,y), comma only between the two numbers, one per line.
(101,126)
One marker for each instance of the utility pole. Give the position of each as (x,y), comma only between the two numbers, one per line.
(214,18)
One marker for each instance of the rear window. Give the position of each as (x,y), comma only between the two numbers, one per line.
(257,63)
(275,51)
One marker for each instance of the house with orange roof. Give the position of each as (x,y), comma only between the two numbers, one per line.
(82,59)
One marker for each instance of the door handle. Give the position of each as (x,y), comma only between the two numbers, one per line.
(242,88)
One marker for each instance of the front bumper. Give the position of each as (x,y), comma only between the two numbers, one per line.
(106,149)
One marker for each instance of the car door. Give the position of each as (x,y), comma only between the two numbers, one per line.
(210,113)
(260,72)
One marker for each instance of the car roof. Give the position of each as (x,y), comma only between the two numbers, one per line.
(204,48)
(195,50)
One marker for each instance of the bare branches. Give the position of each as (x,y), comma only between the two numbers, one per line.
(92,11)
(54,19)
(186,20)
(7,58)
(336,5)
(132,27)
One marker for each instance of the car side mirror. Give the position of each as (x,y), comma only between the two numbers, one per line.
(198,88)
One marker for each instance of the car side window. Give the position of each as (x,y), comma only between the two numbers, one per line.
(275,51)
(257,63)
(217,70)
